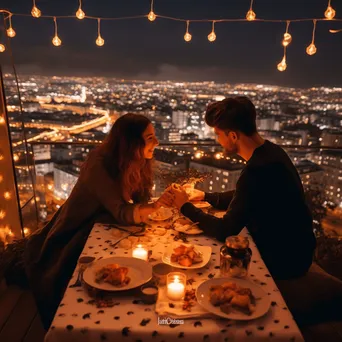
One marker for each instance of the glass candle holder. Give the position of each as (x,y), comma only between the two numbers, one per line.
(175,285)
(140,251)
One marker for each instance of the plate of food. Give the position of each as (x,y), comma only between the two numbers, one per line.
(184,225)
(162,214)
(188,256)
(118,274)
(201,204)
(233,298)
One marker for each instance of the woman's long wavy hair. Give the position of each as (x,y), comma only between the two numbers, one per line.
(124,156)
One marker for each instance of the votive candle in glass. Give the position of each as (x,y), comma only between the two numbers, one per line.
(140,251)
(175,285)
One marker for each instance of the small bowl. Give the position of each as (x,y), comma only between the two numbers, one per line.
(149,293)
(160,271)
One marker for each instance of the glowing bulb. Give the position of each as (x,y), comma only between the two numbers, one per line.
(287,39)
(1,178)
(10,32)
(2,48)
(218,155)
(1,156)
(56,41)
(187,37)
(250,16)
(2,214)
(36,13)
(15,157)
(151,16)
(7,195)
(282,65)
(329,13)
(311,49)
(99,41)
(212,36)
(27,231)
(80,14)
(2,120)
(198,155)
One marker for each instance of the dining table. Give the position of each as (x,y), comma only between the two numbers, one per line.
(88,314)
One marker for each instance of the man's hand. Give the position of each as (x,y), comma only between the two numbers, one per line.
(180,197)
(194,194)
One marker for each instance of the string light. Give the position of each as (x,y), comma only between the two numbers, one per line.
(250,16)
(282,65)
(15,157)
(2,48)
(212,35)
(151,16)
(36,13)
(2,120)
(187,36)
(329,12)
(10,31)
(1,178)
(287,37)
(218,155)
(56,41)
(99,40)
(2,214)
(335,31)
(80,14)
(311,49)
(7,195)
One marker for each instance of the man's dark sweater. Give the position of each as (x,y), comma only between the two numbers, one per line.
(269,200)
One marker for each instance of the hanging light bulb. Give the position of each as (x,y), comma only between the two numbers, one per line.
(2,120)
(287,37)
(56,41)
(99,40)
(212,35)
(2,214)
(311,49)
(1,178)
(36,13)
(282,65)
(250,16)
(10,31)
(329,12)
(80,14)
(7,195)
(187,36)
(151,16)
(2,48)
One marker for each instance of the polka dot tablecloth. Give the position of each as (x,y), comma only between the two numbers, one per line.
(82,318)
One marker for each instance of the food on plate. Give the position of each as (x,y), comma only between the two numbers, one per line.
(155,231)
(112,274)
(131,240)
(125,244)
(186,256)
(230,296)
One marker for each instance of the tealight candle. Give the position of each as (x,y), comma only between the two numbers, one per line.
(140,251)
(176,282)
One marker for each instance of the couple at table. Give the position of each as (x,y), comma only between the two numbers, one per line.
(115,184)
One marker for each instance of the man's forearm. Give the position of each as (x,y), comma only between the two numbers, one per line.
(219,200)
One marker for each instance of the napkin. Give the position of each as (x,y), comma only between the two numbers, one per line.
(165,306)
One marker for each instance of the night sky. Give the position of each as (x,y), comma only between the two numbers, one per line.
(138,49)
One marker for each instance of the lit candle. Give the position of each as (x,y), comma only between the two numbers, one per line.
(176,285)
(140,251)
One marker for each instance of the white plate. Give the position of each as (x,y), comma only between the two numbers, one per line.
(162,214)
(262,304)
(183,228)
(201,204)
(205,250)
(139,271)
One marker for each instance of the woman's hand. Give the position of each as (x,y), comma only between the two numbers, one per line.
(165,200)
(180,197)
(194,194)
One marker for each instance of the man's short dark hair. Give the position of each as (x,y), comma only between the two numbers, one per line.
(233,113)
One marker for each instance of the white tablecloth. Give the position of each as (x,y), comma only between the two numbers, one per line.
(79,319)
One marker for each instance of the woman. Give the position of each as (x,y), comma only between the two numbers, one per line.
(115,184)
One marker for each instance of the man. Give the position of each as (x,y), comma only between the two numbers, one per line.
(269,196)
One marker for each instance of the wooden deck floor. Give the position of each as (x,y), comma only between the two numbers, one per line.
(20,322)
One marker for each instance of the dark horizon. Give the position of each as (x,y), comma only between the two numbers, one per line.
(138,49)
